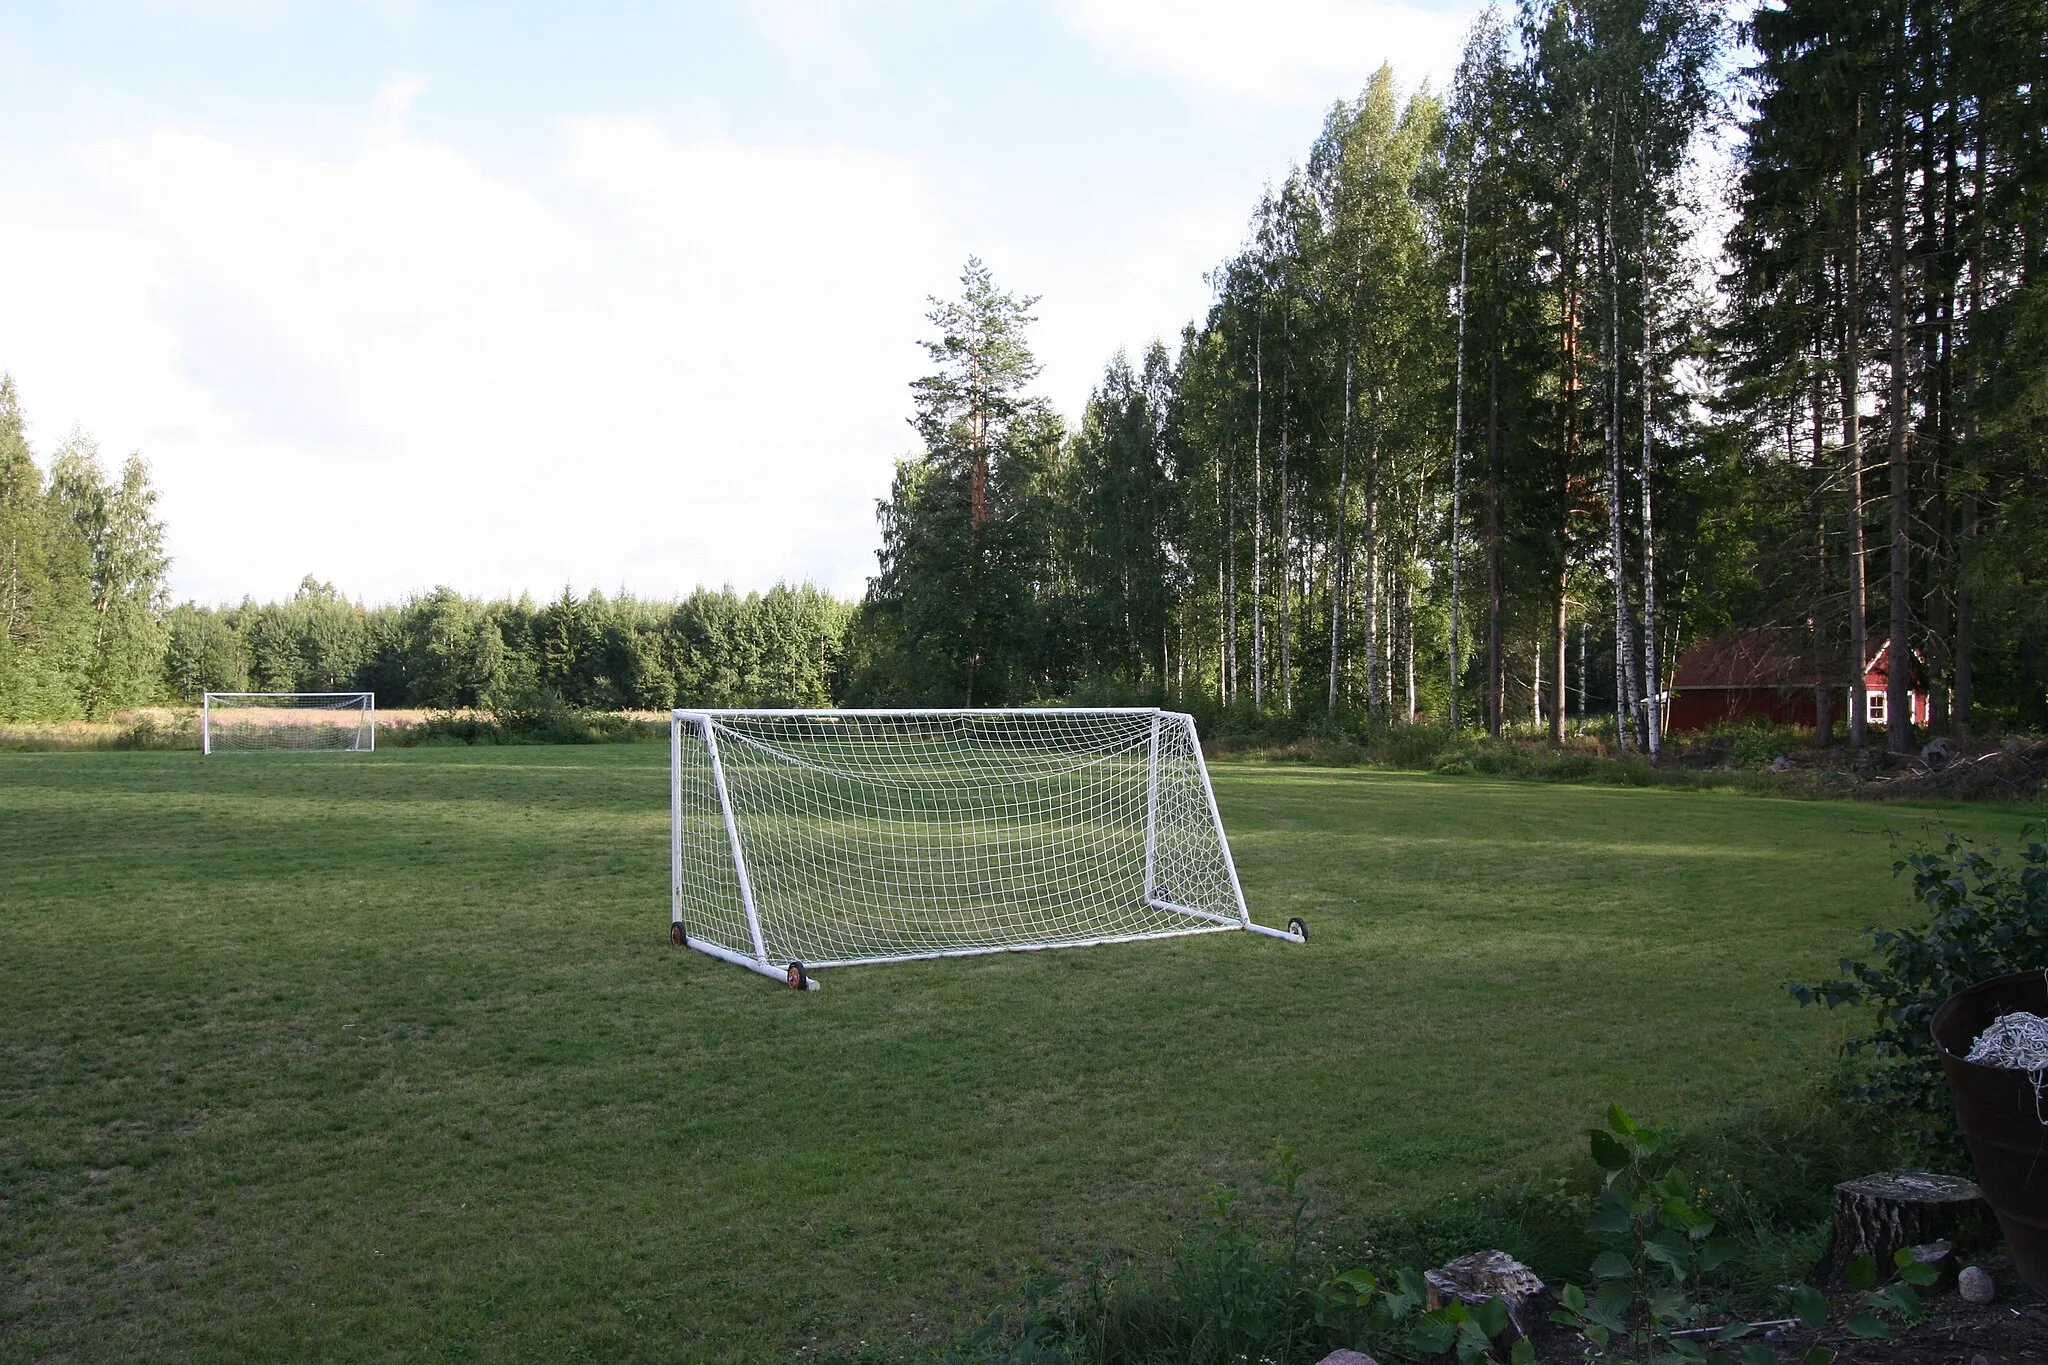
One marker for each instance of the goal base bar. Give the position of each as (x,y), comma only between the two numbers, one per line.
(1227,921)
(770,970)
(739,960)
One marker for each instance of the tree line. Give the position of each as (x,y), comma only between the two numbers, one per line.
(444,651)
(86,627)
(1484,423)
(1503,401)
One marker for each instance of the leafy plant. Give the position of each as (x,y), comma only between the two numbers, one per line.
(1645,1301)
(1252,1290)
(1900,1300)
(1988,915)
(1387,1315)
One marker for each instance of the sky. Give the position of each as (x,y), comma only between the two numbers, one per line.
(524,297)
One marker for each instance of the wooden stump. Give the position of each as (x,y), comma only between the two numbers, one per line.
(1483,1275)
(1879,1215)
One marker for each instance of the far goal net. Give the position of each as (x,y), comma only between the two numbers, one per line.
(343,721)
(828,838)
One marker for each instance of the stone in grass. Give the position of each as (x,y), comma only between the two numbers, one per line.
(1483,1275)
(1975,1285)
(1347,1358)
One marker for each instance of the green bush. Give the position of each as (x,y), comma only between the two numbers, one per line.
(536,718)
(1754,748)
(1987,916)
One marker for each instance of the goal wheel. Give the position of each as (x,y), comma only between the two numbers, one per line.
(799,980)
(1298,926)
(675,933)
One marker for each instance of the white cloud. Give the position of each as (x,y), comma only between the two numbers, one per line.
(1280,51)
(669,362)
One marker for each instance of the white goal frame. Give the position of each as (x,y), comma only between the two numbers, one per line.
(365,703)
(712,861)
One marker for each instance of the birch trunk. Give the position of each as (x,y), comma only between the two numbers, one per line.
(1852,422)
(1899,678)
(1559,626)
(1375,673)
(1495,680)
(1823,688)
(1624,626)
(1258,516)
(1458,460)
(1340,570)
(1966,607)
(1652,703)
(1408,642)
(1284,532)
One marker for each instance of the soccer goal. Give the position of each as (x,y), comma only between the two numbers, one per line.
(808,839)
(345,721)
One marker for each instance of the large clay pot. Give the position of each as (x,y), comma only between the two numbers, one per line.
(2003,1118)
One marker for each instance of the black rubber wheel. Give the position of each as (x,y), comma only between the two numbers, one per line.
(675,934)
(799,980)
(1298,925)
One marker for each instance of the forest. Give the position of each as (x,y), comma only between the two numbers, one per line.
(88,629)
(1649,326)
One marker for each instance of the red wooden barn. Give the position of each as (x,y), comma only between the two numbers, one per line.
(1767,675)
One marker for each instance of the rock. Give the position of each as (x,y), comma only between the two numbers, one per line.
(1347,1358)
(1877,1215)
(1975,1285)
(1938,752)
(1492,1275)
(1782,764)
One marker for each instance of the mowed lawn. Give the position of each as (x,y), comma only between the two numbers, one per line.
(332,1057)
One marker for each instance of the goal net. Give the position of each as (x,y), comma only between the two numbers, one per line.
(344,721)
(829,838)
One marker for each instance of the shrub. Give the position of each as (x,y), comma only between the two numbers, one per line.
(1988,915)
(1754,747)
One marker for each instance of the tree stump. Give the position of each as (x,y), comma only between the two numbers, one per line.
(1880,1215)
(1483,1275)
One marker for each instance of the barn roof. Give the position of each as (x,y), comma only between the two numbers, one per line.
(1763,657)
(1745,658)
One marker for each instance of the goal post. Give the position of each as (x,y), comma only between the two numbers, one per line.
(830,838)
(338,721)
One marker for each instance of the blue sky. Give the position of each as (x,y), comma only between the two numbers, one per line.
(511,297)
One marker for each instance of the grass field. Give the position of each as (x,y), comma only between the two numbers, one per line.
(324,1057)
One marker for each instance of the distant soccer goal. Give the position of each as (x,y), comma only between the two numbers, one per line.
(809,839)
(342,721)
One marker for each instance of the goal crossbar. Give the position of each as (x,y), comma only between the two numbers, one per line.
(846,837)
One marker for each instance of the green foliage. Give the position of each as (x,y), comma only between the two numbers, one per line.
(1754,747)
(1881,1305)
(955,614)
(82,565)
(1661,1252)
(591,655)
(1987,916)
